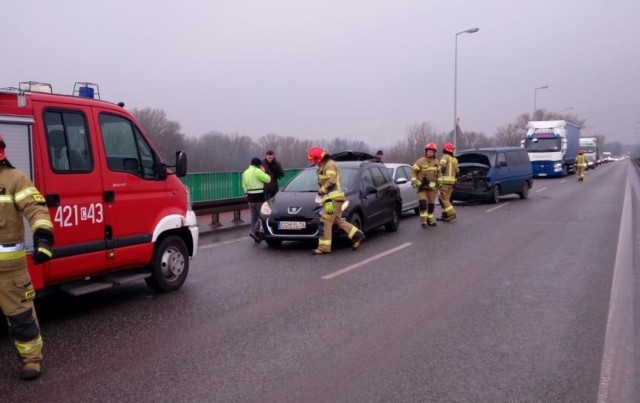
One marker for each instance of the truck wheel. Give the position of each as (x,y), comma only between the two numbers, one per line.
(525,190)
(495,197)
(170,265)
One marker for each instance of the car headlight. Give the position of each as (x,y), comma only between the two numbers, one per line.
(345,205)
(265,209)
(557,165)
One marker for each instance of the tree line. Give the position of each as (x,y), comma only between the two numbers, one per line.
(220,152)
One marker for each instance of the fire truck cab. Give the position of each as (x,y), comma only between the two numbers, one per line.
(119,213)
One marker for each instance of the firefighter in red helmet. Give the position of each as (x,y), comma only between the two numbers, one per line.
(581,165)
(449,169)
(331,200)
(20,198)
(425,174)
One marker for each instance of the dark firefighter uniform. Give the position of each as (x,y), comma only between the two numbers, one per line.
(581,165)
(424,177)
(449,169)
(331,198)
(19,197)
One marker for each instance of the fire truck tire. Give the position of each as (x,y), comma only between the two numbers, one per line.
(170,265)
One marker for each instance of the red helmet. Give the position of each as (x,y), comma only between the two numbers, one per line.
(431,146)
(316,154)
(449,147)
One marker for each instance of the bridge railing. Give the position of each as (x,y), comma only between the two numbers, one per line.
(213,193)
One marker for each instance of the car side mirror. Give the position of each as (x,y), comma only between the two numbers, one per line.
(401,181)
(181,164)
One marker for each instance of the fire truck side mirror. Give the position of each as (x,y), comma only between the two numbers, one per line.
(181,164)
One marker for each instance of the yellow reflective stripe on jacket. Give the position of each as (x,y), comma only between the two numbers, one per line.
(19,254)
(23,194)
(336,194)
(6,199)
(330,173)
(41,224)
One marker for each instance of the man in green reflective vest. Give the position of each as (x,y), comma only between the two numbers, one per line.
(253,180)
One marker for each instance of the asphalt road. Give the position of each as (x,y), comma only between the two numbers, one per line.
(507,303)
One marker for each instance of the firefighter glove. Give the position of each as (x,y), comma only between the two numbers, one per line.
(432,185)
(415,183)
(328,207)
(42,241)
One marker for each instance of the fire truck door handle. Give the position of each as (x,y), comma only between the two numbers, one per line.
(109,196)
(53,200)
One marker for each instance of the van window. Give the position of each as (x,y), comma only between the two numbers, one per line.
(515,158)
(68,142)
(502,160)
(126,149)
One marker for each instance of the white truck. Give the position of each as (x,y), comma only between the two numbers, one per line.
(552,146)
(590,147)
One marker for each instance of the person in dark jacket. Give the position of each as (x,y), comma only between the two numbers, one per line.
(273,168)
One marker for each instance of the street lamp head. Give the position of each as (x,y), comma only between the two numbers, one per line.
(472,30)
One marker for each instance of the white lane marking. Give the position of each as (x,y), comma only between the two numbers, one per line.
(497,207)
(372,258)
(211,245)
(540,190)
(617,374)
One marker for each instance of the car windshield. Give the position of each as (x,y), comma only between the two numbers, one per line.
(542,145)
(307,180)
(589,149)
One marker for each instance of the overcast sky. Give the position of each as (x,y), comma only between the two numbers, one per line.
(361,69)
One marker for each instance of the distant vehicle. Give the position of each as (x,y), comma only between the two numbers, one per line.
(401,175)
(372,200)
(486,174)
(552,146)
(590,147)
(606,157)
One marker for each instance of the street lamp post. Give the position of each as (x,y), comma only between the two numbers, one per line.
(455,85)
(566,109)
(535,97)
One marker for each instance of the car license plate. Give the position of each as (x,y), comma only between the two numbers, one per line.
(292,225)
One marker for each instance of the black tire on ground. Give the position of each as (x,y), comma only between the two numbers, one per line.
(170,265)
(495,196)
(356,220)
(525,190)
(394,223)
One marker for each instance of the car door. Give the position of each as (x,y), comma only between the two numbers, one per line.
(385,194)
(371,203)
(407,192)
(506,181)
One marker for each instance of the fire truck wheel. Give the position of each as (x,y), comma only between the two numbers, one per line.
(170,265)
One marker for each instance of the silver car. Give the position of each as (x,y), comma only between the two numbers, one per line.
(401,175)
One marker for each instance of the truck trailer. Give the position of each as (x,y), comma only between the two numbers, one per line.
(552,146)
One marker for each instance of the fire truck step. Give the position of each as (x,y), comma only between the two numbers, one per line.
(127,276)
(82,287)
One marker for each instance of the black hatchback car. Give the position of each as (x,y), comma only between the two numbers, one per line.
(372,200)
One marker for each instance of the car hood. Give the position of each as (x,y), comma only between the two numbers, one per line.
(473,158)
(294,204)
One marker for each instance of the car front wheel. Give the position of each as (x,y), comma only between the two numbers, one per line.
(495,197)
(525,191)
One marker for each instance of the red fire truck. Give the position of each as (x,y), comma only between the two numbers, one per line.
(119,213)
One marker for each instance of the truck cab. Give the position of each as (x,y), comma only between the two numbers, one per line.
(590,147)
(552,147)
(119,213)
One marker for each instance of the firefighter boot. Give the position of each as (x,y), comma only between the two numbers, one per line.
(30,370)
(443,217)
(432,223)
(319,252)
(357,240)
(424,224)
(450,217)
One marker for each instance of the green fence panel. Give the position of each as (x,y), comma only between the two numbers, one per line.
(206,186)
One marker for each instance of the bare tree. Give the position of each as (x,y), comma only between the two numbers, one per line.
(166,134)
